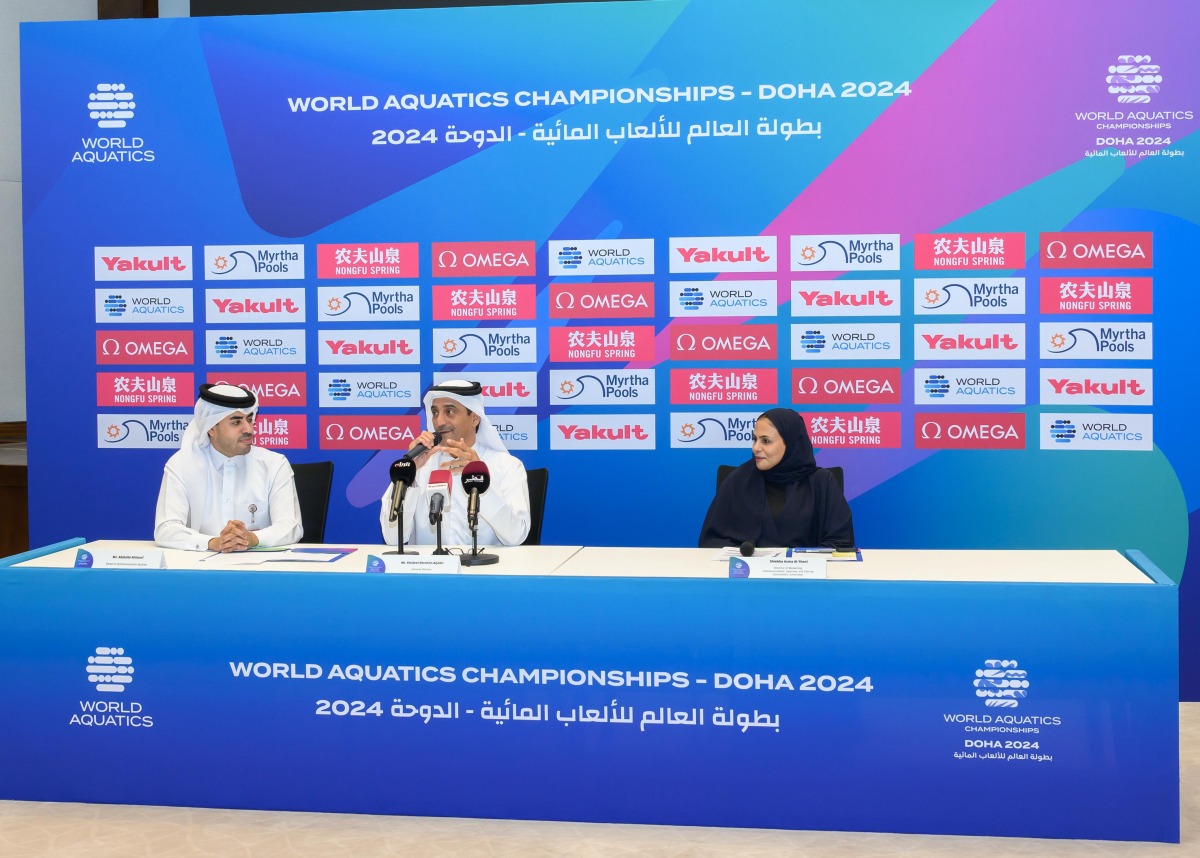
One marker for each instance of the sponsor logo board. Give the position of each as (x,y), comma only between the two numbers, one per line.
(517,431)
(724,298)
(281,431)
(368,431)
(143,389)
(602,387)
(960,385)
(724,386)
(723,253)
(1096,431)
(254,262)
(370,389)
(846,342)
(602,343)
(862,252)
(857,429)
(969,431)
(368,304)
(724,342)
(845,298)
(369,346)
(140,431)
(501,389)
(346,261)
(485,345)
(264,345)
(168,262)
(844,385)
(1097,295)
(484,258)
(273,389)
(1097,249)
(602,432)
(608,257)
(601,300)
(254,306)
(1096,341)
(711,430)
(1078,386)
(144,306)
(481,302)
(974,295)
(969,250)
(969,342)
(144,347)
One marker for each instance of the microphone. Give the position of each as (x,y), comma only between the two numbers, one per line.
(747,549)
(420,450)
(403,472)
(439,493)
(475,481)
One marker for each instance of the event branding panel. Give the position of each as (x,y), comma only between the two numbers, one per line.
(640,224)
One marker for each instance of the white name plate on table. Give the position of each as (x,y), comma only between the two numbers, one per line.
(100,558)
(799,564)
(438,564)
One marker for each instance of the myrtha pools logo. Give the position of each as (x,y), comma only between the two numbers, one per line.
(1134,79)
(1000,683)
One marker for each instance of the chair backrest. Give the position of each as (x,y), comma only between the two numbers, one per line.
(839,476)
(314,480)
(538,479)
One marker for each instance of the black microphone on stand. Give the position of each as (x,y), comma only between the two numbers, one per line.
(439,496)
(475,481)
(403,472)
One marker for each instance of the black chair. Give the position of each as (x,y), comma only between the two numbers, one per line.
(724,471)
(314,481)
(538,479)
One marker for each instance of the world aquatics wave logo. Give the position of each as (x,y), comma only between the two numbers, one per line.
(691,298)
(1062,431)
(1134,79)
(110,105)
(570,257)
(109,669)
(114,305)
(936,386)
(339,389)
(1001,684)
(226,347)
(812,341)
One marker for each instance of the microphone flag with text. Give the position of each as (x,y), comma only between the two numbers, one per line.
(440,482)
(403,472)
(475,481)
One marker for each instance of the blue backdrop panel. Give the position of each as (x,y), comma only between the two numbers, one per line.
(689,125)
(812,704)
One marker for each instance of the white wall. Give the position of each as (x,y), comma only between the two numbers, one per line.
(12,290)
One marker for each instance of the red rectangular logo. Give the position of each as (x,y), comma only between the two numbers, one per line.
(368,431)
(273,389)
(143,389)
(601,300)
(602,343)
(969,431)
(358,261)
(724,386)
(838,385)
(978,251)
(854,429)
(1097,295)
(484,258)
(137,347)
(1097,249)
(281,431)
(510,301)
(724,342)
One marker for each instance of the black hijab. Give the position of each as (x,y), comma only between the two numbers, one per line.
(814,511)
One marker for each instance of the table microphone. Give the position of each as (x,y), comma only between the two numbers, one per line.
(420,450)
(439,493)
(475,480)
(747,549)
(403,472)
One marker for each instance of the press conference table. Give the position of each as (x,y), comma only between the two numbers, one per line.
(1024,693)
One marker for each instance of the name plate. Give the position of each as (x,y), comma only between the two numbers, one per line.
(794,565)
(96,558)
(439,564)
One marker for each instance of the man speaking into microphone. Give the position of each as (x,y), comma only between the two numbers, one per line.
(455,411)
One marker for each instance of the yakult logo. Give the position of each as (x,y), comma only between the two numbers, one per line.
(172,262)
(254,305)
(501,389)
(1097,249)
(845,298)
(368,346)
(484,259)
(723,253)
(602,432)
(969,342)
(1098,386)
